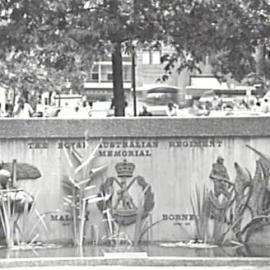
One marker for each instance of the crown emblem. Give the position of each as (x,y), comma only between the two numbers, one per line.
(124,169)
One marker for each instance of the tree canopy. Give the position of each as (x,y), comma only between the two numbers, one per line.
(71,34)
(228,32)
(67,36)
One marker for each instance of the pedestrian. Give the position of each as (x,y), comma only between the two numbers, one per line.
(5,176)
(257,107)
(9,108)
(23,109)
(171,109)
(196,109)
(265,106)
(2,113)
(145,112)
(40,109)
(86,108)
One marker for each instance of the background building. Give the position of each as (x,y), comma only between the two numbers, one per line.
(149,70)
(99,84)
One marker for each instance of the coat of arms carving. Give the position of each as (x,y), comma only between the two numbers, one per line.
(119,201)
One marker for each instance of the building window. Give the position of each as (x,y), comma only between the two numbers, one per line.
(146,57)
(109,77)
(151,57)
(127,73)
(104,73)
(155,57)
(94,76)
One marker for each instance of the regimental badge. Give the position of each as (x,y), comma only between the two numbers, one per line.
(119,202)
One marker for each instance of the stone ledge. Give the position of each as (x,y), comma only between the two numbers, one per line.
(148,127)
(150,261)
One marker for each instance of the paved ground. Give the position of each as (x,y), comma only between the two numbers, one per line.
(140,268)
(123,263)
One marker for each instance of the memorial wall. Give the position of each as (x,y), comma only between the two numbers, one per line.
(149,179)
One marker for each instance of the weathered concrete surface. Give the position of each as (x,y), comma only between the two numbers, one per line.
(174,155)
(223,263)
(117,267)
(146,127)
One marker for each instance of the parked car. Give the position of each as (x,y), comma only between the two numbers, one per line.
(157,99)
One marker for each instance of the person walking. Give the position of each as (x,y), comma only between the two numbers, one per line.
(145,112)
(23,109)
(5,177)
(171,109)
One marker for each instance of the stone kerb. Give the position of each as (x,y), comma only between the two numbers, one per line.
(150,261)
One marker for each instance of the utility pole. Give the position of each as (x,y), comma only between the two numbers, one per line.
(133,67)
(133,60)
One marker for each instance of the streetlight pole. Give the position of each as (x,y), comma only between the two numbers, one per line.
(133,60)
(133,67)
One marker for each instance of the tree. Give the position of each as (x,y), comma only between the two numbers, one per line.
(28,65)
(72,34)
(112,26)
(22,75)
(69,35)
(227,32)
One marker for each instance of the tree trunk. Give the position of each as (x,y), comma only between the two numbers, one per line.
(260,54)
(118,90)
(260,61)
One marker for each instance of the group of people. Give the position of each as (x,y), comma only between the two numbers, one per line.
(234,105)
(225,106)
(23,109)
(171,110)
(84,109)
